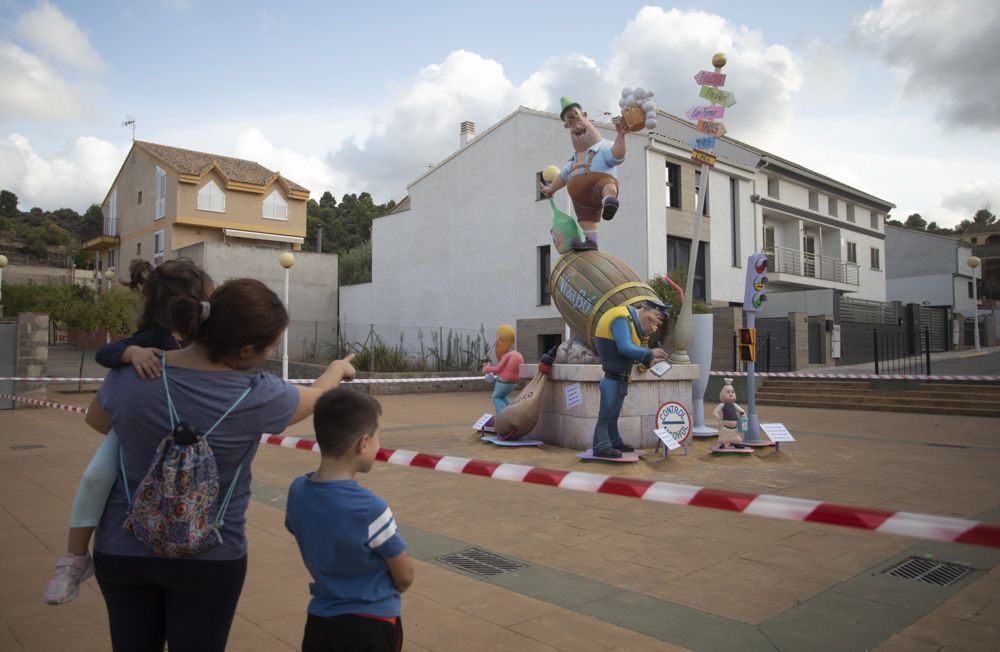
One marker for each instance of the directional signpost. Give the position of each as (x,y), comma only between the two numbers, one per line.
(706,78)
(716,96)
(711,127)
(707,112)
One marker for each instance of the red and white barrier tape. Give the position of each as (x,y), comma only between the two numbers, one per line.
(40,403)
(848,376)
(921,526)
(295,381)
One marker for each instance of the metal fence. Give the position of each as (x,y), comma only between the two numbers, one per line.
(902,353)
(795,261)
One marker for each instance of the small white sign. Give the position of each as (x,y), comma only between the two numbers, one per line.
(777,432)
(478,425)
(574,396)
(667,438)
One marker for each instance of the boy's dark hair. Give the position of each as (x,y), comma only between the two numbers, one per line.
(341,416)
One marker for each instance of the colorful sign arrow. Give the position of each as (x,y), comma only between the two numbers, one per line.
(707,112)
(705,158)
(711,128)
(703,142)
(706,78)
(715,96)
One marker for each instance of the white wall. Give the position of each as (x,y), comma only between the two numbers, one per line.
(936,289)
(811,302)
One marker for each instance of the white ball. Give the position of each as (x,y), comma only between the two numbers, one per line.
(650,93)
(621,102)
(650,123)
(626,91)
(630,99)
(640,92)
(651,115)
(648,106)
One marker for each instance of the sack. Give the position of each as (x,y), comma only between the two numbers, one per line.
(175,510)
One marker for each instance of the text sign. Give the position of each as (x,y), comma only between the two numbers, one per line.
(706,112)
(574,396)
(705,158)
(673,418)
(777,432)
(478,425)
(703,142)
(706,78)
(711,127)
(715,96)
(668,439)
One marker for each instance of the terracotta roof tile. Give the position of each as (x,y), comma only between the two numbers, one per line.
(187,161)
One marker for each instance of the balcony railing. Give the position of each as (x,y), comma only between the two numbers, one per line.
(785,260)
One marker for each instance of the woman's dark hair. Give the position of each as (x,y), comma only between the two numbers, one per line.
(243,312)
(179,277)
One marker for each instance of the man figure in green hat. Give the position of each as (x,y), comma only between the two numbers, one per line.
(590,173)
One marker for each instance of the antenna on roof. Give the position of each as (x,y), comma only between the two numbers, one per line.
(130,122)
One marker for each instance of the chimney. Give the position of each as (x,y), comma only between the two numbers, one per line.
(466,132)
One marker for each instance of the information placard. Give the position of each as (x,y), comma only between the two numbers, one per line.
(667,438)
(574,396)
(478,425)
(777,432)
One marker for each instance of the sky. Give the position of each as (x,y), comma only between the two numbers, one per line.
(900,99)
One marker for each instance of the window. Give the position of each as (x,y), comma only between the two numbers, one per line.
(875,220)
(539,181)
(111,258)
(813,200)
(138,248)
(275,207)
(158,238)
(876,258)
(832,206)
(697,193)
(852,252)
(679,256)
(113,213)
(544,270)
(768,239)
(160,208)
(673,185)
(975,240)
(210,198)
(734,211)
(772,188)
(139,198)
(850,212)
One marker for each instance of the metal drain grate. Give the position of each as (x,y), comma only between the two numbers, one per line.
(481,562)
(931,571)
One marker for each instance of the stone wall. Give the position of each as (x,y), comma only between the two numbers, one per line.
(32,349)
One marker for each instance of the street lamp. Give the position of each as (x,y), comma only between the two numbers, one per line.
(286,260)
(3,263)
(973,262)
(109,276)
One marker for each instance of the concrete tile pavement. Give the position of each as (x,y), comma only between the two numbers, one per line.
(603,572)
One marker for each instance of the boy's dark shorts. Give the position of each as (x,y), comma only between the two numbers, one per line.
(352,633)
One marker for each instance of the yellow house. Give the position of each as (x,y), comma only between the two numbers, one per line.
(165,198)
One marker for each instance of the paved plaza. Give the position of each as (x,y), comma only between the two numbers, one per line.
(600,572)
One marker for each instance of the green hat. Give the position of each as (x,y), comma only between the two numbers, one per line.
(567,104)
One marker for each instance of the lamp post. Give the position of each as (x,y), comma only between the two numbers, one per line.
(3,263)
(973,262)
(109,276)
(286,260)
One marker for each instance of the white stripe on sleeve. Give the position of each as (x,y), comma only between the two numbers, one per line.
(384,536)
(380,522)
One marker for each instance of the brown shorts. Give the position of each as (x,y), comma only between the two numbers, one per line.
(587,191)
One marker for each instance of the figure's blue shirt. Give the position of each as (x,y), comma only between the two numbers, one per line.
(618,340)
(601,160)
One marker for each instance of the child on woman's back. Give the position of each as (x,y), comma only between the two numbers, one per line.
(347,535)
(174,278)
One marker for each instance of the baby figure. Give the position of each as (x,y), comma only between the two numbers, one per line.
(728,412)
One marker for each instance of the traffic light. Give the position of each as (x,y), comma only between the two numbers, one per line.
(748,345)
(753,295)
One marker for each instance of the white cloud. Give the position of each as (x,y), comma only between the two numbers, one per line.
(33,91)
(309,170)
(74,178)
(55,35)
(943,51)
(972,196)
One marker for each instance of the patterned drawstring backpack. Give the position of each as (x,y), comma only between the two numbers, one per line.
(175,510)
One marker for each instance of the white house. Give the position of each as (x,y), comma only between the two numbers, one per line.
(928,269)
(469,247)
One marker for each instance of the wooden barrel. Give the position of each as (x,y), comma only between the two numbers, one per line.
(586,284)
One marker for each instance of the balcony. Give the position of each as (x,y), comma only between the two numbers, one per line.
(784,261)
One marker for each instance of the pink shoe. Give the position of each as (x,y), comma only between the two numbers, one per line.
(71,571)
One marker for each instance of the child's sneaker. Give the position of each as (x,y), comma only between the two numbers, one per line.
(71,571)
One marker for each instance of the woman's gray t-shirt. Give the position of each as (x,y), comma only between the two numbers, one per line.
(137,409)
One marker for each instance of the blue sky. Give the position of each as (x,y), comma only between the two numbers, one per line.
(899,98)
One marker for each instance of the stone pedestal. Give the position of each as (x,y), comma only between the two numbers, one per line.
(574,428)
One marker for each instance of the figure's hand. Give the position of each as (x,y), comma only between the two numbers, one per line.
(545,190)
(659,354)
(485,367)
(145,360)
(620,126)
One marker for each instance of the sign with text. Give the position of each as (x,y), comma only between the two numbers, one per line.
(706,143)
(706,78)
(574,396)
(711,127)
(706,112)
(668,439)
(705,158)
(716,96)
(675,420)
(777,432)
(478,425)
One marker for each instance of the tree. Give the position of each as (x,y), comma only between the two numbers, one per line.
(328,200)
(916,222)
(984,217)
(8,204)
(938,230)
(963,226)
(92,223)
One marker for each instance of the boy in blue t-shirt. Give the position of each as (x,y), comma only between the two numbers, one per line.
(347,534)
